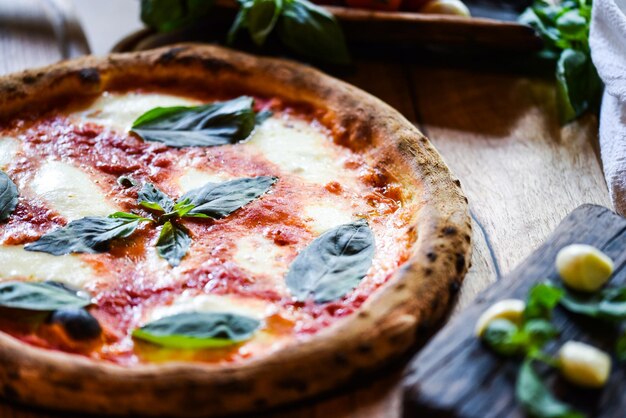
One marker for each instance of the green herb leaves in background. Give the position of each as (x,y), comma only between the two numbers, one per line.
(8,196)
(565,31)
(333,264)
(620,348)
(210,125)
(608,304)
(193,330)
(91,234)
(39,296)
(300,25)
(166,15)
(536,398)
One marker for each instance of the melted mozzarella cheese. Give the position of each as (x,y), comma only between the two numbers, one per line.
(259,255)
(17,263)
(70,192)
(188,301)
(119,111)
(193,179)
(322,217)
(299,148)
(9,148)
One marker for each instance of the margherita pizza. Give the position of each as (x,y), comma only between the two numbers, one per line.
(193,231)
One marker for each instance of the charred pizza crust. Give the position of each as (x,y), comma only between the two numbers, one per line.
(385,326)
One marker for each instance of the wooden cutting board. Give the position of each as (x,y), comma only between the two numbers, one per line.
(456,376)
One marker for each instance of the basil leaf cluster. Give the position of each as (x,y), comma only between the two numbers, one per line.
(303,27)
(564,28)
(93,234)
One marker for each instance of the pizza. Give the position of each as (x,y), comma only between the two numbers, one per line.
(194,231)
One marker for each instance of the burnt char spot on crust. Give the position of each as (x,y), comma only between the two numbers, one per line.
(449,230)
(454,287)
(238,387)
(31,78)
(460,263)
(169,55)
(432,256)
(293,383)
(342,360)
(89,76)
(364,349)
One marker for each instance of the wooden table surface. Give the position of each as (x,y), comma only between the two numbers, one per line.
(497,131)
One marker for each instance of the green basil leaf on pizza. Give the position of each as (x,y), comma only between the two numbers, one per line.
(39,296)
(152,198)
(173,243)
(333,264)
(218,200)
(8,196)
(209,125)
(194,330)
(90,235)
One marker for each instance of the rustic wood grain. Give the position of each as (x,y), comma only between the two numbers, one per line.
(498,132)
(456,376)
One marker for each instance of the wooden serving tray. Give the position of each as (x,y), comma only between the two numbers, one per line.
(493,26)
(455,375)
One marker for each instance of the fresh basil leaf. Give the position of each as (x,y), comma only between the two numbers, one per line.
(218,200)
(8,196)
(240,21)
(620,348)
(536,398)
(578,86)
(129,217)
(537,333)
(542,299)
(214,124)
(312,31)
(573,26)
(166,15)
(198,330)
(152,198)
(608,304)
(333,264)
(87,235)
(504,337)
(39,296)
(173,243)
(262,17)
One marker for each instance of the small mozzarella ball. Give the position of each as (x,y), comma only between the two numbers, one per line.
(446,7)
(584,365)
(509,309)
(583,267)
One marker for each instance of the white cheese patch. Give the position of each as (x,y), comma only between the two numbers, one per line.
(119,110)
(189,301)
(194,178)
(17,263)
(261,256)
(322,217)
(9,148)
(70,191)
(299,148)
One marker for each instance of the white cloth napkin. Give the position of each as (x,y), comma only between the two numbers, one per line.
(608,51)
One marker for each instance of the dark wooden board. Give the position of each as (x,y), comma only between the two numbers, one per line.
(456,376)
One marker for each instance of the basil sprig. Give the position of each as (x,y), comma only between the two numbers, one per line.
(302,26)
(90,235)
(210,125)
(40,296)
(536,398)
(333,264)
(608,304)
(8,196)
(93,234)
(564,27)
(194,330)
